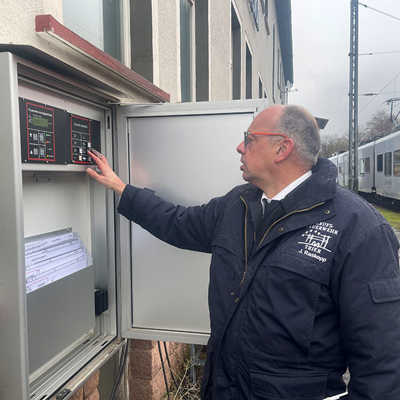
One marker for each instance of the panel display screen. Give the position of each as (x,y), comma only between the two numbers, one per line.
(40,132)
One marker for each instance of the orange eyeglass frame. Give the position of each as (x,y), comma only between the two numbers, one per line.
(247,133)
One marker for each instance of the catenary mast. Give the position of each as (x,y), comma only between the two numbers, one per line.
(353,98)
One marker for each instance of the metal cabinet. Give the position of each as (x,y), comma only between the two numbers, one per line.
(185,152)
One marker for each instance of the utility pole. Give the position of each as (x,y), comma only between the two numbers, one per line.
(353,98)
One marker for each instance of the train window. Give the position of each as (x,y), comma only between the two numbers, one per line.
(379,163)
(396,163)
(388,164)
(365,166)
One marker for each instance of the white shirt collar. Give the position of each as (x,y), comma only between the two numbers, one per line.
(283,193)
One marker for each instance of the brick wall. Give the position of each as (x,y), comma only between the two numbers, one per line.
(144,379)
(145,376)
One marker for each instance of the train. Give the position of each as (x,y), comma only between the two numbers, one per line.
(378,170)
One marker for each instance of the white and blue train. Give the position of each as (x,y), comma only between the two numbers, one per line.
(378,169)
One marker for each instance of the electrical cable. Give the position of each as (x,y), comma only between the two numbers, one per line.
(379,11)
(163,369)
(169,365)
(124,356)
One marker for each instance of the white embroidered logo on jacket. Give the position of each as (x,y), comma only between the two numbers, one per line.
(316,239)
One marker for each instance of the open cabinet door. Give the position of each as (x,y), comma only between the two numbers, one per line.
(187,154)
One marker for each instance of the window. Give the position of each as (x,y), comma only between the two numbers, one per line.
(97,21)
(254,11)
(142,38)
(202,47)
(273,63)
(264,7)
(236,55)
(365,166)
(249,73)
(388,164)
(186,48)
(396,163)
(379,163)
(278,74)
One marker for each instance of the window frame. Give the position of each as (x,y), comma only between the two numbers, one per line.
(365,166)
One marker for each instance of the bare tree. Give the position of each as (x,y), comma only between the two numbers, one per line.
(378,126)
(333,145)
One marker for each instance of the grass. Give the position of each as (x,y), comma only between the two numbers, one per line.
(391,216)
(186,389)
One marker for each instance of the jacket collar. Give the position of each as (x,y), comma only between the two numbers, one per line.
(320,187)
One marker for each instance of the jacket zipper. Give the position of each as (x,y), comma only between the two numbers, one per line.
(245,240)
(267,231)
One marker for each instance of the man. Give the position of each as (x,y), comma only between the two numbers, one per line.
(304,275)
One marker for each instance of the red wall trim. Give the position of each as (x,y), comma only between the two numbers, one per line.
(46,23)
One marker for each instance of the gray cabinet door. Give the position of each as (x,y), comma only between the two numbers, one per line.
(187,154)
(13,336)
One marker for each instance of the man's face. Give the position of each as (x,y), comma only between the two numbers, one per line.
(257,157)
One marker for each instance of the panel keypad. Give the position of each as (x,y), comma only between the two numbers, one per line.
(80,139)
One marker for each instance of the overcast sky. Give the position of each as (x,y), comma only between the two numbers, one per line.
(321,42)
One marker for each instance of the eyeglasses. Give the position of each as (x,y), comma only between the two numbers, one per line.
(247,134)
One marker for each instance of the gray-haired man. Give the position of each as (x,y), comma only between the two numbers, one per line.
(304,275)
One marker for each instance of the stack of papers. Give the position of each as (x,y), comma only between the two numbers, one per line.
(52,257)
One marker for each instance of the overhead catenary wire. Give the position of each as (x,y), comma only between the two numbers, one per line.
(374,53)
(379,92)
(379,11)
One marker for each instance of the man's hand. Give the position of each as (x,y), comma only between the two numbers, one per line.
(107,177)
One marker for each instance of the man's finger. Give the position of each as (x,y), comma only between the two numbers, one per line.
(92,173)
(97,159)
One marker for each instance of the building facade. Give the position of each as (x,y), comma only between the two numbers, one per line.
(203,50)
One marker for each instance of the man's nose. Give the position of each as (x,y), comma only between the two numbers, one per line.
(241,147)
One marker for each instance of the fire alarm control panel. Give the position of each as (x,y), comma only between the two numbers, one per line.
(54,136)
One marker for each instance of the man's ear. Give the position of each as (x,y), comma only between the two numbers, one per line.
(284,149)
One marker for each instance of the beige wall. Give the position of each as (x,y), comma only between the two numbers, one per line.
(220,60)
(166,47)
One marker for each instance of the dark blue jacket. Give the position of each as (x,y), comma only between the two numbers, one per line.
(318,291)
